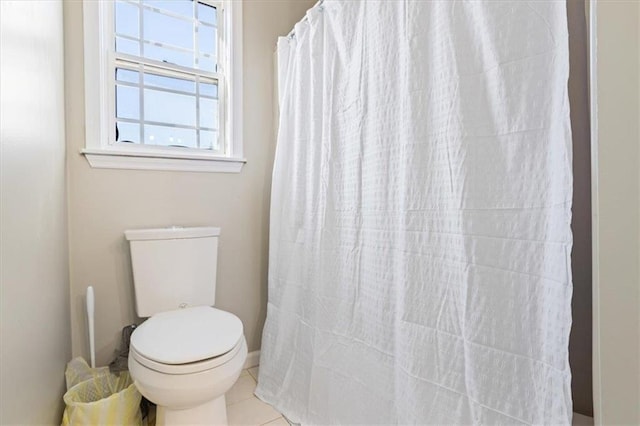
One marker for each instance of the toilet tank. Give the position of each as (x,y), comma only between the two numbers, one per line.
(173,267)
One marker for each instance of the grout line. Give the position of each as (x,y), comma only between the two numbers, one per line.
(252,395)
(255,380)
(242,400)
(271,421)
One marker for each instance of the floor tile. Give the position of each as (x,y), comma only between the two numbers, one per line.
(241,390)
(254,372)
(278,422)
(244,373)
(251,412)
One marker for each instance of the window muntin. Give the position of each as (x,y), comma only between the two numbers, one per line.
(168,84)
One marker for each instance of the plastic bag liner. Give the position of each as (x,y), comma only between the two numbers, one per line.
(97,397)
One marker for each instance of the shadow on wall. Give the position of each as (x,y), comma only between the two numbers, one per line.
(580,351)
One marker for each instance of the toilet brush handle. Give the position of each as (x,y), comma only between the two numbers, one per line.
(90,317)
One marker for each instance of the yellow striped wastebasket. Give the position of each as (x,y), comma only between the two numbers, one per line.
(102,398)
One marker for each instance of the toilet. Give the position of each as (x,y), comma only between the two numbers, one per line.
(187,354)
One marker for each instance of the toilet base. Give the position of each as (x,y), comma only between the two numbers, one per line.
(211,413)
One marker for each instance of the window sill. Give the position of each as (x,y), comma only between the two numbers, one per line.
(137,160)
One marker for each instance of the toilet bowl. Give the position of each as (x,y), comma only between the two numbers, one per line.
(187,354)
(185,361)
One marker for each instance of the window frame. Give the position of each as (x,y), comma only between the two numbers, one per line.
(101,149)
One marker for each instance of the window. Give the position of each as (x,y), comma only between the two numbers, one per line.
(163,84)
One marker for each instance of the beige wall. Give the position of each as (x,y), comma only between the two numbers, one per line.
(34,286)
(616,213)
(103,203)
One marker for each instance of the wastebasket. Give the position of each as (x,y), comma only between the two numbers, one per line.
(97,397)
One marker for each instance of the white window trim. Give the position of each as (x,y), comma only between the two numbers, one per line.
(99,110)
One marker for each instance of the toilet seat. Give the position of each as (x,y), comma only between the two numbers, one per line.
(187,340)
(190,368)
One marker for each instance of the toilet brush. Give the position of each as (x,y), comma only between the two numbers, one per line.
(90,315)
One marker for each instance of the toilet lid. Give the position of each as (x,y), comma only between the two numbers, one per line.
(187,335)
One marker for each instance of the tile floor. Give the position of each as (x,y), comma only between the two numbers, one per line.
(243,408)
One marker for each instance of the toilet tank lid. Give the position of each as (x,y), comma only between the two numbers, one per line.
(173,232)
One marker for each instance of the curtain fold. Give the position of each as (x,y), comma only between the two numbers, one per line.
(419,263)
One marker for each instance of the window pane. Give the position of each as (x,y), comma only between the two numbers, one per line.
(128,132)
(179,7)
(208,89)
(168,30)
(209,140)
(170,83)
(127,75)
(124,45)
(171,34)
(127,22)
(127,102)
(207,14)
(171,56)
(207,64)
(207,40)
(169,108)
(208,113)
(169,136)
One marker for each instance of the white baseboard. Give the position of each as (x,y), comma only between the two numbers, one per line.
(253,359)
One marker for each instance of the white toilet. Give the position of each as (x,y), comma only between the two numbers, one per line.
(187,354)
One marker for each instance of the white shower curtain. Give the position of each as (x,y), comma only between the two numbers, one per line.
(419,264)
